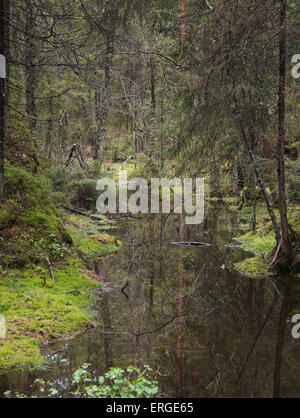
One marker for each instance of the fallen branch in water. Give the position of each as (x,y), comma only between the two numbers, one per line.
(80,212)
(50,269)
(196,244)
(128,216)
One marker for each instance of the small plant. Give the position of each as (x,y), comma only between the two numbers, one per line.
(57,249)
(116,383)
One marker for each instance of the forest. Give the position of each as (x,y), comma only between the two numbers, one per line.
(121,302)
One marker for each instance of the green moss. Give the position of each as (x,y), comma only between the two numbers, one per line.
(87,239)
(7,217)
(28,216)
(294,218)
(263,242)
(256,243)
(22,350)
(254,267)
(36,309)
(32,232)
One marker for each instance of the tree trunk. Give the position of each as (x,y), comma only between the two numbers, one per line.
(30,70)
(49,130)
(102,105)
(257,174)
(4,50)
(183,22)
(153,127)
(281,132)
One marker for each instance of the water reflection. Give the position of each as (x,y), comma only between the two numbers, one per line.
(207,331)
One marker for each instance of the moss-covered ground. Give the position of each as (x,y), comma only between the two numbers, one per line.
(262,242)
(37,311)
(89,238)
(32,232)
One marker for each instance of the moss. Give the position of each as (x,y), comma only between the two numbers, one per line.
(257,243)
(35,309)
(22,350)
(263,242)
(7,217)
(87,239)
(26,217)
(294,217)
(254,267)
(38,311)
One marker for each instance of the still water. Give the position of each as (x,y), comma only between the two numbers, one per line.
(206,330)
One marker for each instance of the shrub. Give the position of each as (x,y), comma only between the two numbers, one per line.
(116,383)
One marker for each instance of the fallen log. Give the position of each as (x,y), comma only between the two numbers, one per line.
(80,212)
(192,244)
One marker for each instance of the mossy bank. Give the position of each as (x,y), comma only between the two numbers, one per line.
(35,238)
(262,242)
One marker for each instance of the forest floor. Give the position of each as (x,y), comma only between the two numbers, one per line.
(36,238)
(39,311)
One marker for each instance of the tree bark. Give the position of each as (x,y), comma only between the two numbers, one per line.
(281,132)
(258,175)
(153,127)
(4,50)
(102,105)
(30,70)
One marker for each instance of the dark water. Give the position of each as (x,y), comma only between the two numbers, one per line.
(200,326)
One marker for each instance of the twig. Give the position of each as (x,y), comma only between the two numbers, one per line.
(123,290)
(72,291)
(123,165)
(276,254)
(50,269)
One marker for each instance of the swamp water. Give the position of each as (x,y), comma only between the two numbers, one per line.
(182,310)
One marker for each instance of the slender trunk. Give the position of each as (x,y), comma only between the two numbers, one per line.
(102,106)
(133,128)
(30,70)
(281,131)
(254,207)
(49,130)
(183,22)
(4,51)
(151,301)
(153,129)
(153,102)
(257,174)
(181,231)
